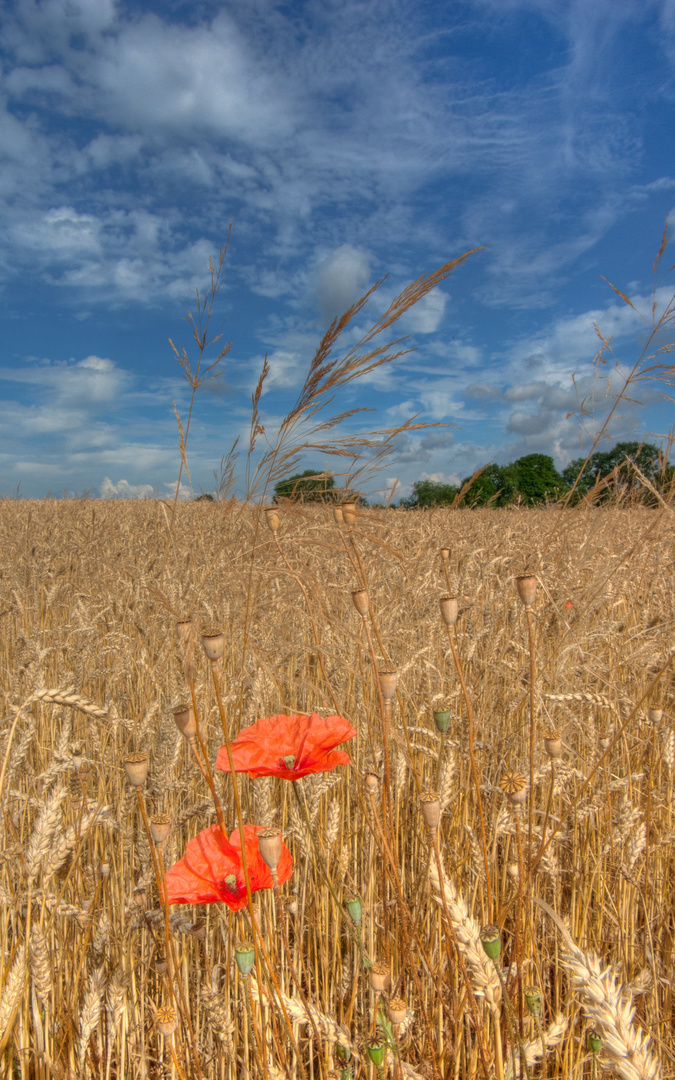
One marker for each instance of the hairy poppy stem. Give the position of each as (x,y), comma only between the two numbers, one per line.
(257,936)
(205,766)
(170,951)
(474,768)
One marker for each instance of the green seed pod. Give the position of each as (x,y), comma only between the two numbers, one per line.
(355,909)
(594,1041)
(375,1050)
(442,720)
(342,1052)
(245,957)
(533,999)
(491,940)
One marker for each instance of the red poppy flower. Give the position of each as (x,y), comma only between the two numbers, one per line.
(289,746)
(211,869)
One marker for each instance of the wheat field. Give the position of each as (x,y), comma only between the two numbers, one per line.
(566,704)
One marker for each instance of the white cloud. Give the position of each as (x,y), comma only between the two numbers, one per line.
(124,490)
(342,278)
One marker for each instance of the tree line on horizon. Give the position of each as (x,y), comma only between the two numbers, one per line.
(531,480)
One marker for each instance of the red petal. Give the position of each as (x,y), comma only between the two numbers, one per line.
(260,749)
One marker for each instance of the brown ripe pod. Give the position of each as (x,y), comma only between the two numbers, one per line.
(553,744)
(388,680)
(430,802)
(655,716)
(136,768)
(349,512)
(380,978)
(361,601)
(526,585)
(214,645)
(140,896)
(166,1021)
(269,842)
(445,554)
(338,515)
(160,827)
(449,609)
(272,518)
(604,742)
(514,786)
(185,720)
(76,756)
(397,1010)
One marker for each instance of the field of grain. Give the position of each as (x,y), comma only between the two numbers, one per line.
(566,705)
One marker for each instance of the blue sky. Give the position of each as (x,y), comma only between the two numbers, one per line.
(345,140)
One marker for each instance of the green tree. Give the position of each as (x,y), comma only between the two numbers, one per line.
(307,486)
(428,493)
(535,478)
(490,487)
(603,462)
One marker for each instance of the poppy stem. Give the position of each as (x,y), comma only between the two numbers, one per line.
(474,767)
(205,766)
(255,931)
(365,959)
(170,952)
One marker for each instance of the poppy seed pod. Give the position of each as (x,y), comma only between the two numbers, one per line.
(372,783)
(343,1053)
(361,601)
(655,716)
(214,645)
(160,827)
(355,909)
(185,720)
(604,742)
(105,869)
(526,585)
(140,896)
(76,755)
(136,768)
(166,1021)
(379,976)
(388,680)
(272,518)
(338,515)
(269,842)
(514,786)
(445,554)
(594,1042)
(397,1010)
(449,609)
(245,957)
(185,630)
(161,965)
(553,744)
(430,802)
(349,512)
(533,999)
(491,940)
(442,720)
(83,776)
(375,1049)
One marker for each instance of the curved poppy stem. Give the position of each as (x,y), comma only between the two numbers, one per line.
(205,766)
(474,767)
(170,951)
(257,936)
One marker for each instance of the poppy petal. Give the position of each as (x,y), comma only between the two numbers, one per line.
(289,746)
(196,878)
